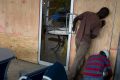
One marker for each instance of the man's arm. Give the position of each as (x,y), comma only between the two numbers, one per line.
(79,17)
(94,32)
(108,69)
(103,23)
(96,29)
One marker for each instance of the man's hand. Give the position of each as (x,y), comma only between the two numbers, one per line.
(103,23)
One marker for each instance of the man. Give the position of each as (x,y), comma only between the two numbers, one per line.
(91,23)
(97,66)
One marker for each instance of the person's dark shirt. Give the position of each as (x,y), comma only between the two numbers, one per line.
(88,28)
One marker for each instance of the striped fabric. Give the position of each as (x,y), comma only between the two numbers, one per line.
(95,66)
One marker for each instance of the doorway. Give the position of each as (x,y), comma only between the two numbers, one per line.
(55,31)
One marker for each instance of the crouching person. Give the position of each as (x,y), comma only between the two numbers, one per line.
(98,67)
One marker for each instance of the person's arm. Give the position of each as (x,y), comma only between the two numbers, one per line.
(103,23)
(108,69)
(79,17)
(95,30)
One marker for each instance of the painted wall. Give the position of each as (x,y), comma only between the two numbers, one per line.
(19,27)
(109,35)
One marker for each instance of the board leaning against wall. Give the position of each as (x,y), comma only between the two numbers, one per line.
(108,37)
(19,27)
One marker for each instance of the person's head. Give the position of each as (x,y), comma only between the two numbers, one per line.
(103,12)
(104,53)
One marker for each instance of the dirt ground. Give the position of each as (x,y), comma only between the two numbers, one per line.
(19,67)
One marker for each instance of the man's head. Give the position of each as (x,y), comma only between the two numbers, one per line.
(104,53)
(103,12)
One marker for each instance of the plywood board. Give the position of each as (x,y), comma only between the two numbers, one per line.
(24,48)
(106,32)
(2,15)
(103,41)
(19,27)
(22,17)
(116,34)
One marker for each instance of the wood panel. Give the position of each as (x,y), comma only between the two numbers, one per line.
(103,41)
(20,20)
(2,15)
(106,32)
(116,34)
(22,17)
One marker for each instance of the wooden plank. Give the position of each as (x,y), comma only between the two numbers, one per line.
(106,32)
(25,48)
(20,32)
(2,15)
(22,17)
(115,36)
(104,39)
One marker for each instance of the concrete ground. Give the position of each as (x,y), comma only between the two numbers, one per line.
(19,67)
